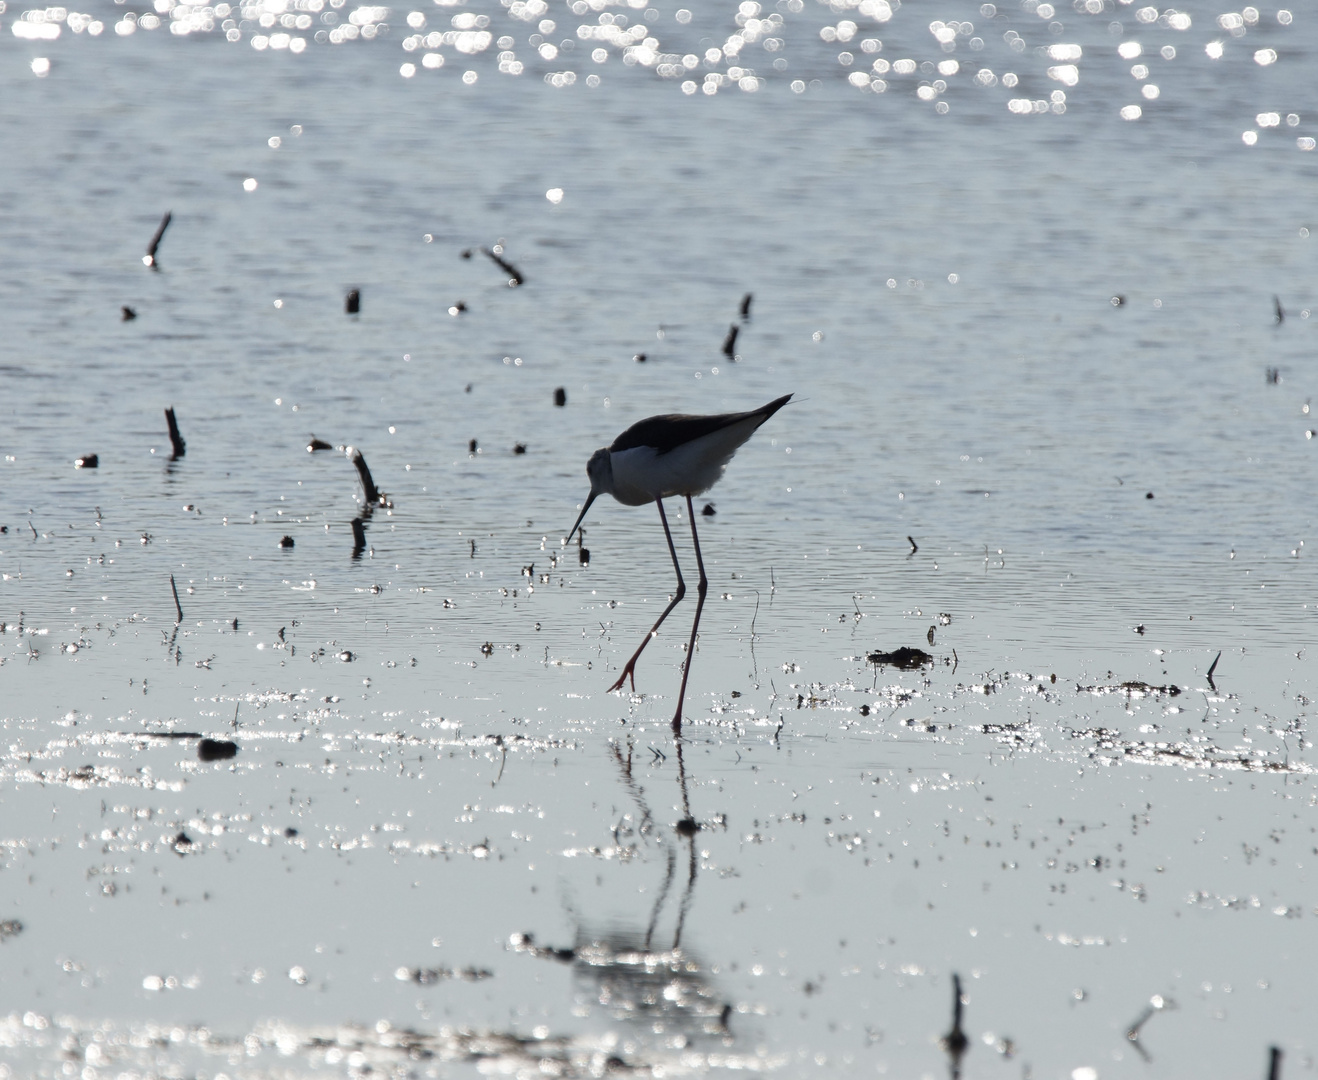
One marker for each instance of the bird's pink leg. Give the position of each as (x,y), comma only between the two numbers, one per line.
(701,589)
(629,672)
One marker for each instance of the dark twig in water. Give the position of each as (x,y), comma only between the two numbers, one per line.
(178,608)
(175,437)
(150,257)
(1213,667)
(87,461)
(955,1041)
(315,444)
(495,255)
(1279,313)
(730,342)
(127,314)
(371,492)
(358,538)
(914,546)
(1274,1063)
(352,303)
(746,305)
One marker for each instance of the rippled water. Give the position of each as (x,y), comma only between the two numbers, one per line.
(441,845)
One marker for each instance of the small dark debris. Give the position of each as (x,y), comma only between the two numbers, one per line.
(1171,689)
(87,461)
(235,626)
(10,928)
(290,832)
(746,305)
(1272,376)
(906,658)
(1148,494)
(687,827)
(1140,629)
(487,649)
(216,750)
(560,397)
(640,358)
(182,840)
(127,314)
(730,342)
(526,943)
(458,308)
(709,510)
(864,710)
(317,444)
(519,448)
(430,976)
(471,446)
(285,541)
(352,303)
(583,556)
(1279,313)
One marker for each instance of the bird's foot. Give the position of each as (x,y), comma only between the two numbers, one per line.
(627,673)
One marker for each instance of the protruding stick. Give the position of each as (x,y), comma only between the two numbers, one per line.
(175,438)
(1274,1063)
(746,306)
(150,257)
(358,538)
(368,485)
(1213,667)
(730,342)
(178,608)
(352,303)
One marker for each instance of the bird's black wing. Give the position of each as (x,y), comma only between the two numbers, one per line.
(665,433)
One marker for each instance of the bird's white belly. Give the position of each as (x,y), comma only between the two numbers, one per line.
(641,474)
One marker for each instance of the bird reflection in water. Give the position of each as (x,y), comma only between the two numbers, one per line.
(645,977)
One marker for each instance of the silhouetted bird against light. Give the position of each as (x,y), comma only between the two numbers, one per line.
(661,457)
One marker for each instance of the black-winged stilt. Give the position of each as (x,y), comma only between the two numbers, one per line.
(658,458)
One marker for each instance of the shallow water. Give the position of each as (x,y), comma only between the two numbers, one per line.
(1063,808)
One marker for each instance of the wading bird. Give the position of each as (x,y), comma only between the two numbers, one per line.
(656,459)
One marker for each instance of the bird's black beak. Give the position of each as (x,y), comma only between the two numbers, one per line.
(581,515)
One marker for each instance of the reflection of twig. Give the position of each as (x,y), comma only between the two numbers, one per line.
(498,741)
(755,666)
(1156,1004)
(955,1041)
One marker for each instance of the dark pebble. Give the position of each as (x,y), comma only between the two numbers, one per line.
(286,542)
(216,750)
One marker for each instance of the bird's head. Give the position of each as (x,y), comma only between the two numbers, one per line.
(600,470)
